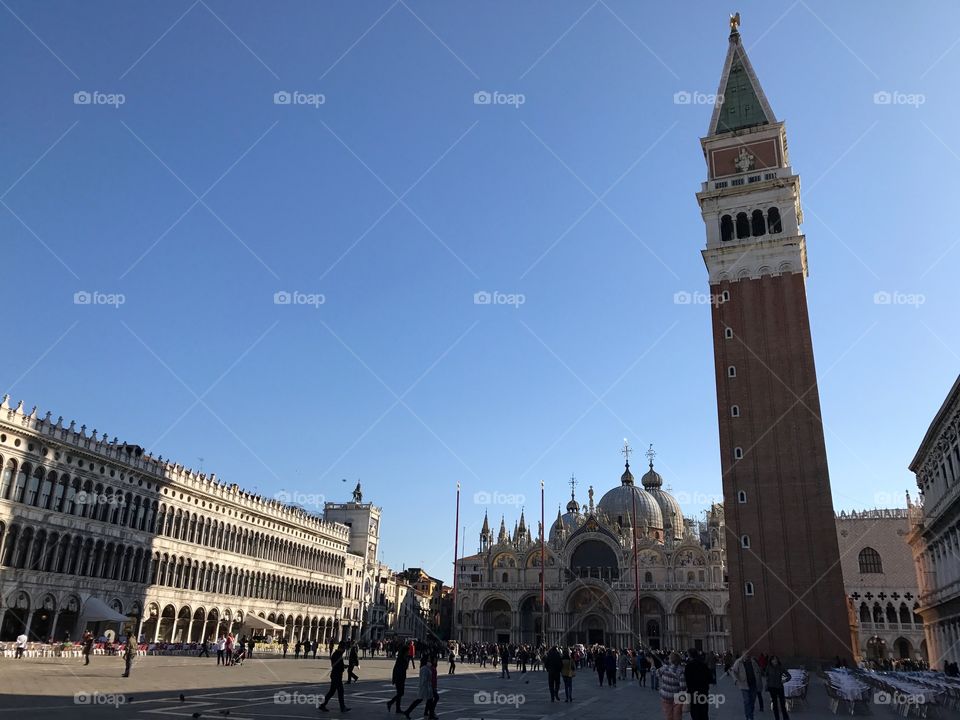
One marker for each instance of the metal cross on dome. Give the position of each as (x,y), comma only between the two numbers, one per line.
(627,450)
(573,484)
(651,454)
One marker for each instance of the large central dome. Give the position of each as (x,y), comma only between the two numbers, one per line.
(620,503)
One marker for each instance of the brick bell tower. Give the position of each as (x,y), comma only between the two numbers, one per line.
(786,589)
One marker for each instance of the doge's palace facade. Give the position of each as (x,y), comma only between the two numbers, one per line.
(89,525)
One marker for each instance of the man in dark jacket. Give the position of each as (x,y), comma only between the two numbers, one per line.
(553,664)
(336,679)
(698,677)
(505,662)
(399,679)
(354,662)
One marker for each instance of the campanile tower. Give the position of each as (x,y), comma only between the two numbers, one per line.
(786,589)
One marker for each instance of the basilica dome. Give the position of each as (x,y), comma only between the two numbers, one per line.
(669,507)
(618,504)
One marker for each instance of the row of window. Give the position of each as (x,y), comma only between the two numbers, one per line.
(754,225)
(44,489)
(189,574)
(28,549)
(890,615)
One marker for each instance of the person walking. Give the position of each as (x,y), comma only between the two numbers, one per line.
(610,663)
(622,662)
(452,658)
(430,711)
(228,650)
(424,687)
(567,671)
(22,645)
(762,664)
(87,646)
(746,675)
(776,676)
(412,654)
(336,679)
(399,679)
(643,667)
(553,664)
(286,646)
(672,687)
(221,646)
(505,662)
(354,662)
(130,652)
(599,665)
(698,677)
(204,648)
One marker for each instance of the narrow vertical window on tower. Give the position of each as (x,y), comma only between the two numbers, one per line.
(743,226)
(748,589)
(745,541)
(731,371)
(757,225)
(728,333)
(738,453)
(742,497)
(773,221)
(725,296)
(734,411)
(726,228)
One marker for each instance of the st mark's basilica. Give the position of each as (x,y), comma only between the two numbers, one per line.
(604,560)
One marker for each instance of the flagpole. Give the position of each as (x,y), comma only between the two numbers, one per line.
(456,556)
(543,569)
(636,564)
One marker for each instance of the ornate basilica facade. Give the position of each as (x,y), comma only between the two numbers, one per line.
(625,571)
(95,530)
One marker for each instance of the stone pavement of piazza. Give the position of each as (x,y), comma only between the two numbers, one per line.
(277,688)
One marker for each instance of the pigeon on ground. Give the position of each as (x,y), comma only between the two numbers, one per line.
(182,698)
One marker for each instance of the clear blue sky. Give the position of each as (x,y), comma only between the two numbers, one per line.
(305,198)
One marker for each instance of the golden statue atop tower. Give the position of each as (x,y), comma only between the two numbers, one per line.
(735,23)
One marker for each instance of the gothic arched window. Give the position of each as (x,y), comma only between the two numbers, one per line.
(726,228)
(743,226)
(757,226)
(870,561)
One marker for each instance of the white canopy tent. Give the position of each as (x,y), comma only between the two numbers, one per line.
(96,610)
(253,622)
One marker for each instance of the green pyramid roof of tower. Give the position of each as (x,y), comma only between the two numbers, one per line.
(742,103)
